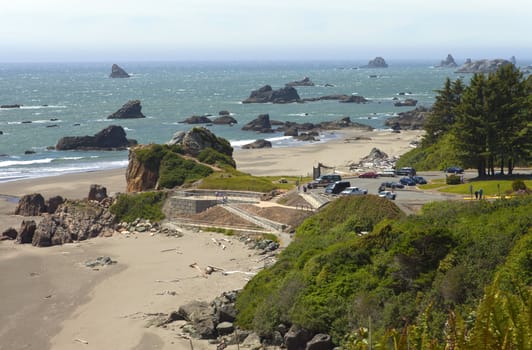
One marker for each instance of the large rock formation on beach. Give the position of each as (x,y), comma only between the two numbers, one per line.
(267,95)
(112,137)
(118,72)
(31,205)
(377,62)
(482,66)
(448,62)
(260,124)
(130,110)
(409,120)
(139,175)
(304,82)
(74,221)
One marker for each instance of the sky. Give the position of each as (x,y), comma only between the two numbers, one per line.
(159,30)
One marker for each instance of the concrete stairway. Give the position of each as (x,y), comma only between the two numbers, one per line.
(256,220)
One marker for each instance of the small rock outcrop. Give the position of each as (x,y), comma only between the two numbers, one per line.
(140,177)
(112,137)
(10,234)
(118,72)
(11,106)
(53,203)
(97,193)
(409,102)
(377,62)
(267,95)
(304,82)
(261,143)
(296,338)
(26,231)
(224,120)
(197,119)
(31,205)
(482,66)
(340,98)
(199,313)
(448,62)
(260,124)
(130,110)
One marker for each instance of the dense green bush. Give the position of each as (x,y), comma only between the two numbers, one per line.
(453,179)
(518,185)
(145,205)
(404,272)
(175,171)
(213,157)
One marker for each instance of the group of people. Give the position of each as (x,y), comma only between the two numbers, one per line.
(479,193)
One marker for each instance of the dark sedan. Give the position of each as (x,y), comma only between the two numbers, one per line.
(392,184)
(407,181)
(454,170)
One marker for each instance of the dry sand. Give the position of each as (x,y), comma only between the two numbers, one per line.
(50,300)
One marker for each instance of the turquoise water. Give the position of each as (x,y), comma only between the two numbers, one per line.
(74,99)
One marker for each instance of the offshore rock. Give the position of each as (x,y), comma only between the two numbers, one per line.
(304,82)
(111,138)
(224,120)
(261,143)
(130,110)
(409,102)
(448,62)
(482,66)
(267,95)
(118,72)
(260,124)
(377,62)
(197,119)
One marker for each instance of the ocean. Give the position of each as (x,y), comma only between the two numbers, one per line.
(74,99)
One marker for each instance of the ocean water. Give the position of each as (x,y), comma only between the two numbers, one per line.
(74,99)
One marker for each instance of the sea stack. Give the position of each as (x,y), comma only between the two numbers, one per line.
(449,62)
(130,110)
(118,72)
(378,62)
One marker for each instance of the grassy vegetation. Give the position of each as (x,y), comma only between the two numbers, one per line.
(145,205)
(225,231)
(234,180)
(408,272)
(489,187)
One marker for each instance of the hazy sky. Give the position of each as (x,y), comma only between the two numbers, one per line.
(106,30)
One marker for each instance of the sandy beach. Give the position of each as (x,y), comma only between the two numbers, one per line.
(50,300)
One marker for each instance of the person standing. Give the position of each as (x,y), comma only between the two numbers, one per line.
(480,193)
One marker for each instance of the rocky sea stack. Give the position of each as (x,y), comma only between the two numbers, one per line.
(111,138)
(130,110)
(267,95)
(377,62)
(118,72)
(482,66)
(448,62)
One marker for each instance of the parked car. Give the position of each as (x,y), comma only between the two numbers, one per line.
(337,187)
(387,194)
(405,171)
(407,181)
(354,191)
(387,172)
(454,170)
(369,175)
(324,180)
(419,180)
(392,184)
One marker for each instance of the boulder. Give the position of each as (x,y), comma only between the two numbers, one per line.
(267,95)
(261,143)
(291,131)
(31,205)
(176,138)
(118,72)
(306,137)
(130,110)
(482,66)
(223,112)
(448,62)
(197,119)
(377,62)
(53,203)
(10,233)
(296,338)
(304,82)
(260,124)
(26,231)
(409,102)
(320,342)
(112,137)
(224,120)
(74,221)
(225,328)
(199,313)
(97,193)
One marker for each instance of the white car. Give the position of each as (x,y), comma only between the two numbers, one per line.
(387,194)
(354,191)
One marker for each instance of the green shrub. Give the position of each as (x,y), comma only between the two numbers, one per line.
(145,205)
(453,179)
(176,170)
(213,157)
(518,185)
